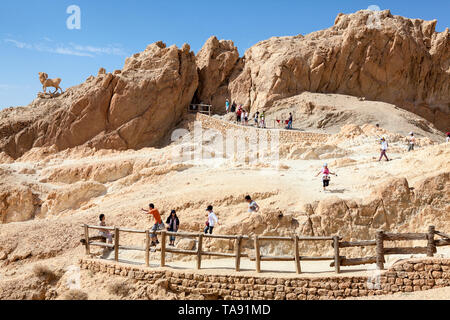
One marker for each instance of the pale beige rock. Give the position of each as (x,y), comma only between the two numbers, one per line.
(350,58)
(72,197)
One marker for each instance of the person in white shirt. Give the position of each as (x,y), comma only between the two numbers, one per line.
(212,220)
(384,147)
(252,205)
(448,137)
(412,142)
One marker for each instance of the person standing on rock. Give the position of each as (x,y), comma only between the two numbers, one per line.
(227,105)
(252,205)
(411,142)
(172,226)
(289,126)
(262,122)
(238,114)
(104,233)
(242,115)
(159,225)
(233,107)
(256,118)
(326,176)
(384,147)
(212,220)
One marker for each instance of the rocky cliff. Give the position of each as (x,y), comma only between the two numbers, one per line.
(387,58)
(130,109)
(391,58)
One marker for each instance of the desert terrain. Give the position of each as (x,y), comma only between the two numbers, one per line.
(106,147)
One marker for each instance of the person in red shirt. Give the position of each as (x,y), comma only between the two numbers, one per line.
(159,225)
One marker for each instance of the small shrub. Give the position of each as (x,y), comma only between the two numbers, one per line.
(44,272)
(119,288)
(75,294)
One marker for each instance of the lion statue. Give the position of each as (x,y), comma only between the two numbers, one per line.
(46,82)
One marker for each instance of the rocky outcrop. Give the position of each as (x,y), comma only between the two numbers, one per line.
(216,62)
(71,197)
(129,110)
(17,204)
(401,61)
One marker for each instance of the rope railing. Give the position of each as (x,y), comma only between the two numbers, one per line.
(336,244)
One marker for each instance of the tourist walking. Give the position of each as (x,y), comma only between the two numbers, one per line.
(325,176)
(262,122)
(246,118)
(242,116)
(212,220)
(159,225)
(256,118)
(289,126)
(384,147)
(233,107)
(411,142)
(227,105)
(238,114)
(173,224)
(448,137)
(252,205)
(104,233)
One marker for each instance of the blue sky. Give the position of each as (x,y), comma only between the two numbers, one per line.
(34,36)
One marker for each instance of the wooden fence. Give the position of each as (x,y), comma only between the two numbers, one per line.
(336,243)
(200,108)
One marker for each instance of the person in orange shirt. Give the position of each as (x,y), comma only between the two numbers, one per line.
(159,225)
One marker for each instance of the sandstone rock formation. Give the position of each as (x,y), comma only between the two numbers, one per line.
(405,62)
(130,110)
(215,62)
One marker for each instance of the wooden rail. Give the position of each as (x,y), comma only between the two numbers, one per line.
(381,250)
(200,108)
(335,241)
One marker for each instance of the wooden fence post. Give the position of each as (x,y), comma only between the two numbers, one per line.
(199,251)
(237,250)
(163,248)
(116,244)
(431,247)
(86,236)
(337,266)
(380,249)
(297,256)
(257,255)
(147,248)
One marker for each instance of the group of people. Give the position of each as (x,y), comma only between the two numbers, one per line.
(173,222)
(242,115)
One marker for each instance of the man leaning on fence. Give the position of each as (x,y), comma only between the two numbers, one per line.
(159,225)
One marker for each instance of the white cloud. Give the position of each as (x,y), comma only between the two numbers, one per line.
(18,44)
(69,49)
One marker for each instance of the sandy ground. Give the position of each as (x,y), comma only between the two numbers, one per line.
(222,183)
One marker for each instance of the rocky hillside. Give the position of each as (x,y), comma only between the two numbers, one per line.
(404,62)
(130,109)
(400,61)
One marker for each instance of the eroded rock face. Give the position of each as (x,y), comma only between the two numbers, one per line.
(216,62)
(130,110)
(404,62)
(72,197)
(16,204)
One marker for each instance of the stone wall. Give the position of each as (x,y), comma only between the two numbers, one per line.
(404,276)
(285,136)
